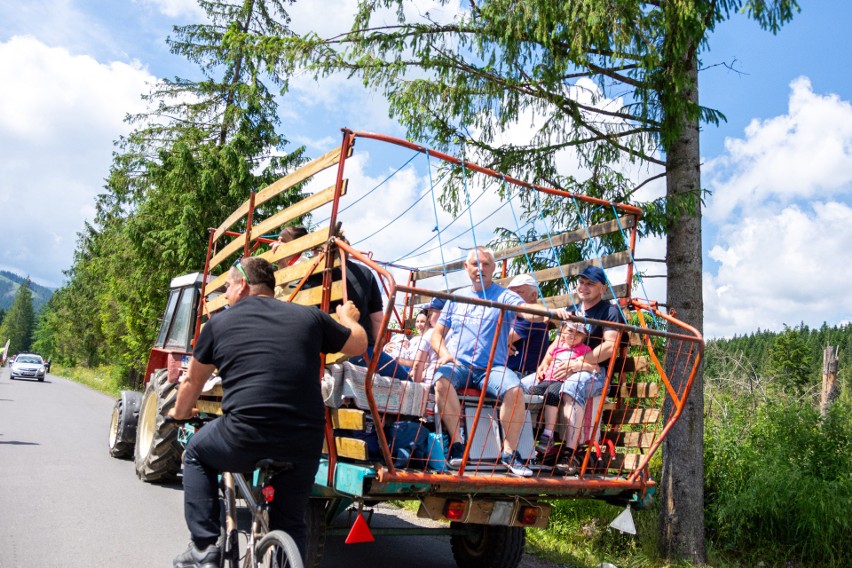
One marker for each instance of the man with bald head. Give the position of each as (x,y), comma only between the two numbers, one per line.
(464,364)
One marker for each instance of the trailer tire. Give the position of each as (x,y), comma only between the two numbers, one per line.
(316,520)
(157,454)
(122,428)
(485,546)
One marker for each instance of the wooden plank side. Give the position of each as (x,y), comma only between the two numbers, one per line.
(638,364)
(639,390)
(283,184)
(348,418)
(237,244)
(296,272)
(566,300)
(209,406)
(313,296)
(642,440)
(217,303)
(351,448)
(634,416)
(627,462)
(574,268)
(308,242)
(278,219)
(295,211)
(627,222)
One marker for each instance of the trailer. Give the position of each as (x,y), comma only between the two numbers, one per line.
(384,438)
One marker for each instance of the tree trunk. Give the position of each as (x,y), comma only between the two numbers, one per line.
(682,483)
(830,388)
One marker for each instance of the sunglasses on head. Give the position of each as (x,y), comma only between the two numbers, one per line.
(239,267)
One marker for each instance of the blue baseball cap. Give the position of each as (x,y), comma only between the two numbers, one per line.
(436,304)
(594,273)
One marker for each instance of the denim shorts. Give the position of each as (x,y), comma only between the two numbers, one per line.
(583,384)
(500,381)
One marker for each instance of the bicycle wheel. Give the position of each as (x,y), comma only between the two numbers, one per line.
(277,550)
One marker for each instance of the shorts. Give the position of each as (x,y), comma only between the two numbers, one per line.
(500,381)
(552,391)
(583,384)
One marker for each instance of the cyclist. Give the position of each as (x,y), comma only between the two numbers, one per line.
(268,355)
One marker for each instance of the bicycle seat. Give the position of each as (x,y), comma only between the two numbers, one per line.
(274,466)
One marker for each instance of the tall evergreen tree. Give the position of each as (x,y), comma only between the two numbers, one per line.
(18,324)
(553,65)
(204,145)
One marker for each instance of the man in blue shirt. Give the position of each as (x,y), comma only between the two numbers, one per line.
(475,328)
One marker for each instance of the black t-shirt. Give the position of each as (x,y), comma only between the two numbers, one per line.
(268,355)
(604,311)
(361,288)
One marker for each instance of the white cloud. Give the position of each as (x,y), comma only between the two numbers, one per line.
(803,154)
(59,114)
(781,267)
(779,223)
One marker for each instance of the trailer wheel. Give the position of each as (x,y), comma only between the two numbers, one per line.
(316,520)
(122,427)
(485,546)
(158,453)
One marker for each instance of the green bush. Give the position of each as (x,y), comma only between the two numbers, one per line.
(779,482)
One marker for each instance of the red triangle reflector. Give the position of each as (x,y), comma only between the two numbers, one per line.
(360,531)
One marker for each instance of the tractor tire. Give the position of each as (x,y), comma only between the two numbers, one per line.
(315,542)
(122,427)
(157,454)
(485,546)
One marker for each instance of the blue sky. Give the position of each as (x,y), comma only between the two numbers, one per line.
(777,228)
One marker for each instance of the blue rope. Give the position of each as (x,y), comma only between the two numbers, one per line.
(549,232)
(437,223)
(520,239)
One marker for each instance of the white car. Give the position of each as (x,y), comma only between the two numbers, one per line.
(29,366)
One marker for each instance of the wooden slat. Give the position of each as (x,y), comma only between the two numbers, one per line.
(279,186)
(636,390)
(631,439)
(630,416)
(277,220)
(313,296)
(315,238)
(309,241)
(351,448)
(296,210)
(217,303)
(574,268)
(638,364)
(297,271)
(237,244)
(627,222)
(573,300)
(348,419)
(627,462)
(209,406)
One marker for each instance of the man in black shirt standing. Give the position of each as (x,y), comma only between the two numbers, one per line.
(268,355)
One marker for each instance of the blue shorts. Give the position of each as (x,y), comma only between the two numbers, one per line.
(500,381)
(583,384)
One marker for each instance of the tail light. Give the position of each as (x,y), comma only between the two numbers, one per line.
(454,509)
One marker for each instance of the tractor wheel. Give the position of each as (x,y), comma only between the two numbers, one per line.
(122,427)
(158,453)
(485,546)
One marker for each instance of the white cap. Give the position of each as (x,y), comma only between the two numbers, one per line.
(522,280)
(577,326)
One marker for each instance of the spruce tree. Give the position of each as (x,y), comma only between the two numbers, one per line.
(17,326)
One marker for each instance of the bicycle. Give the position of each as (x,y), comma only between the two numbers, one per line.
(264,548)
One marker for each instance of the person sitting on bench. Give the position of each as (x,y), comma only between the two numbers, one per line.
(579,388)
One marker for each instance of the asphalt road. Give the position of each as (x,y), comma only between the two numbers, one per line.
(64,502)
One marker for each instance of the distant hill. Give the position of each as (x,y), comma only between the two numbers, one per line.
(9,284)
